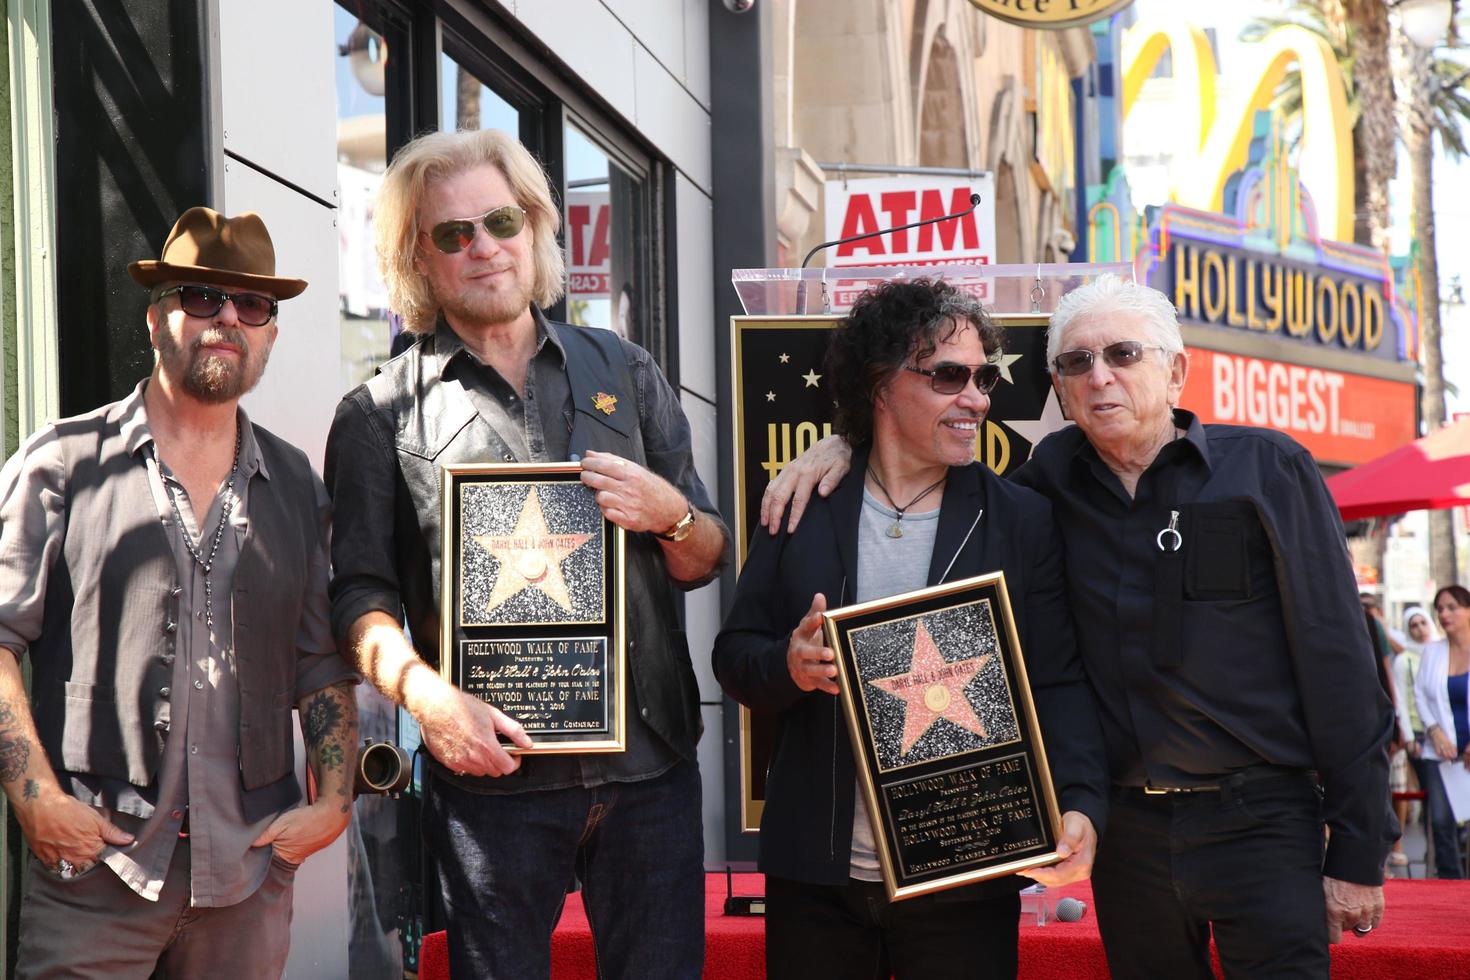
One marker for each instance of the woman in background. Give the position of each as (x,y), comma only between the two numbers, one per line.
(1417,632)
(1443,701)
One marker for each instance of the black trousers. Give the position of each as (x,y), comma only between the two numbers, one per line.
(1246,863)
(852,932)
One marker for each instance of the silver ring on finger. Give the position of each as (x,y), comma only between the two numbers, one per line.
(1363,930)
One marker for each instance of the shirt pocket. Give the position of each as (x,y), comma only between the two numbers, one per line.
(1225,550)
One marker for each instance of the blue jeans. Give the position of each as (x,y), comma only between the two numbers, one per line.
(1441,819)
(506,862)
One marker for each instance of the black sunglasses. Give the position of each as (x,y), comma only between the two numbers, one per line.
(1125,353)
(456,234)
(950,379)
(251,309)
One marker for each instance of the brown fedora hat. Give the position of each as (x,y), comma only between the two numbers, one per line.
(207,247)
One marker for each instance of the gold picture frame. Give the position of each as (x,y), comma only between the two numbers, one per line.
(532,603)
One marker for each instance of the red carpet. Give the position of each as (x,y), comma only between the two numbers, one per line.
(1423,936)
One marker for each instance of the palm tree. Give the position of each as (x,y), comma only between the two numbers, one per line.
(1362,26)
(1362,54)
(1433,100)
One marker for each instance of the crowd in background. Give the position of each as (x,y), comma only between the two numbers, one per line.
(1426,674)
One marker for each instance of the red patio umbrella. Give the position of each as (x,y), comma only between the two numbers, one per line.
(1427,474)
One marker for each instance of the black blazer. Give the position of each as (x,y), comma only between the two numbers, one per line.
(806,826)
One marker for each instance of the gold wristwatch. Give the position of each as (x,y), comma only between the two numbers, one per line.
(680,530)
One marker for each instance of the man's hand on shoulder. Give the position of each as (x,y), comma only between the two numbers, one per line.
(820,468)
(59,827)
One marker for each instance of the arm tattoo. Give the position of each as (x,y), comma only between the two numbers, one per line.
(15,748)
(32,790)
(323,730)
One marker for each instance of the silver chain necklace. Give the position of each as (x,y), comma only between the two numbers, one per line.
(226,507)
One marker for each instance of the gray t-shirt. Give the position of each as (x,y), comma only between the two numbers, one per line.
(886,566)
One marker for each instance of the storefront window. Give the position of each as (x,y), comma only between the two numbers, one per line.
(465,102)
(363,57)
(607,242)
(384,906)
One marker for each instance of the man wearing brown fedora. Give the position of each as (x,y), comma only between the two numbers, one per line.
(163,564)
(466,230)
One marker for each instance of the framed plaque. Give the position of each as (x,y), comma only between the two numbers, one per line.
(532,603)
(949,755)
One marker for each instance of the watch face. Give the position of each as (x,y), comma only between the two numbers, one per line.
(681,530)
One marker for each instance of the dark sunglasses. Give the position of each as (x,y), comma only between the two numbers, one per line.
(251,309)
(1125,353)
(456,234)
(950,379)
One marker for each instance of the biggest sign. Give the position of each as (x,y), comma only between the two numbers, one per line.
(1341,418)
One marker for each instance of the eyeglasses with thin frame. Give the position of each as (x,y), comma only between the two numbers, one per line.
(1123,354)
(950,379)
(251,309)
(456,234)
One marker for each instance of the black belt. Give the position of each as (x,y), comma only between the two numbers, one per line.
(1256,779)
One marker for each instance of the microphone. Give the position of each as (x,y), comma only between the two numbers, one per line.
(1070,910)
(801,284)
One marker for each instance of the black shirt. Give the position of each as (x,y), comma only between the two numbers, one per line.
(1244,647)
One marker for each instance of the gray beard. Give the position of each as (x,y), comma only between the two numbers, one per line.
(209,379)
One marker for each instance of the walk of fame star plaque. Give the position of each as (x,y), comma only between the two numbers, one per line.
(950,758)
(532,595)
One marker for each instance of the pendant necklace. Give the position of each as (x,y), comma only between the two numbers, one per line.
(227,505)
(896,531)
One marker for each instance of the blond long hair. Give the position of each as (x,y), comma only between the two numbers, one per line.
(437,156)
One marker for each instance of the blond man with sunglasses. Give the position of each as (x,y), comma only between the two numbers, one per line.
(163,565)
(1218,618)
(466,230)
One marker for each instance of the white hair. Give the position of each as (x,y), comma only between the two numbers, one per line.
(1109,295)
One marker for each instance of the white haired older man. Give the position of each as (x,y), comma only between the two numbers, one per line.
(1218,620)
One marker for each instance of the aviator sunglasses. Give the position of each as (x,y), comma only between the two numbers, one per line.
(251,309)
(950,379)
(1125,353)
(456,234)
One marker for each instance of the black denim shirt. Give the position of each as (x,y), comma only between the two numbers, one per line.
(1244,647)
(386,444)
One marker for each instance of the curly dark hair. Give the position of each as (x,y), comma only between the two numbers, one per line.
(891,325)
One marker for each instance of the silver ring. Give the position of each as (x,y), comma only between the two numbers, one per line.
(1362,930)
(65,868)
(1177,539)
